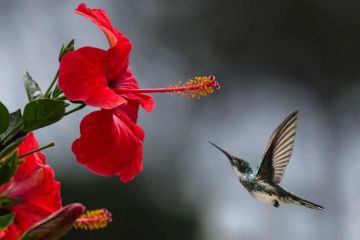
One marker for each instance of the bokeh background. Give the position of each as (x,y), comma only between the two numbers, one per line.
(271,58)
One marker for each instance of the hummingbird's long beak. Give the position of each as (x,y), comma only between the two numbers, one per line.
(222,150)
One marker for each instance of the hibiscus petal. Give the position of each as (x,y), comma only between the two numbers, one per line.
(110,144)
(100,18)
(83,77)
(131,109)
(129,172)
(40,202)
(33,161)
(12,232)
(146,101)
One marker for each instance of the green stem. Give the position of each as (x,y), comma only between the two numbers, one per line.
(60,98)
(37,150)
(75,109)
(47,93)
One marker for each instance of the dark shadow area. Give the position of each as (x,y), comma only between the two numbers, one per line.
(134,217)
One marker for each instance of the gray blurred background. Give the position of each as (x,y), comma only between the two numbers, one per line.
(271,58)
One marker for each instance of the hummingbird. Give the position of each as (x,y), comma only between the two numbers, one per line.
(264,184)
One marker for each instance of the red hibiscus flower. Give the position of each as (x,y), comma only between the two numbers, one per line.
(34,187)
(111,142)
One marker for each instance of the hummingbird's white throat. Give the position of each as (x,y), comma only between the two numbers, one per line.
(238,174)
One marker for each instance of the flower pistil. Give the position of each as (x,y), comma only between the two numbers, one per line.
(194,88)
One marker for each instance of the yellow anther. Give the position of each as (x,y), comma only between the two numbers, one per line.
(94,219)
(197,87)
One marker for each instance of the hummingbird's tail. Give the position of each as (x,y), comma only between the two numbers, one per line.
(306,203)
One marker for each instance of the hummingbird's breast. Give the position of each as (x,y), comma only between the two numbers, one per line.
(261,190)
(265,197)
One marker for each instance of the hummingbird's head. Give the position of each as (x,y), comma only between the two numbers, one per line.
(240,164)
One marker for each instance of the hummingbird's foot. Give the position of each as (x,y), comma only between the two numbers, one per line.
(276,204)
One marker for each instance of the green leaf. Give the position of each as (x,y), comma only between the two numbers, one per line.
(69,48)
(13,136)
(56,225)
(6,220)
(11,147)
(4,118)
(43,112)
(8,168)
(32,88)
(15,122)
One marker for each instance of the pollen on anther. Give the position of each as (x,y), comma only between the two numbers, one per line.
(94,219)
(197,87)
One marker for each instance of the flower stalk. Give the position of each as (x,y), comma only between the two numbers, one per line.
(52,144)
(47,93)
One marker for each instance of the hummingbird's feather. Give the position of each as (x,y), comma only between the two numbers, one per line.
(278,150)
(300,201)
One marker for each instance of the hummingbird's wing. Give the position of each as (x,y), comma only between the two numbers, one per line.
(278,151)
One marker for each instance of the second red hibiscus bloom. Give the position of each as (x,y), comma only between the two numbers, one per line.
(34,189)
